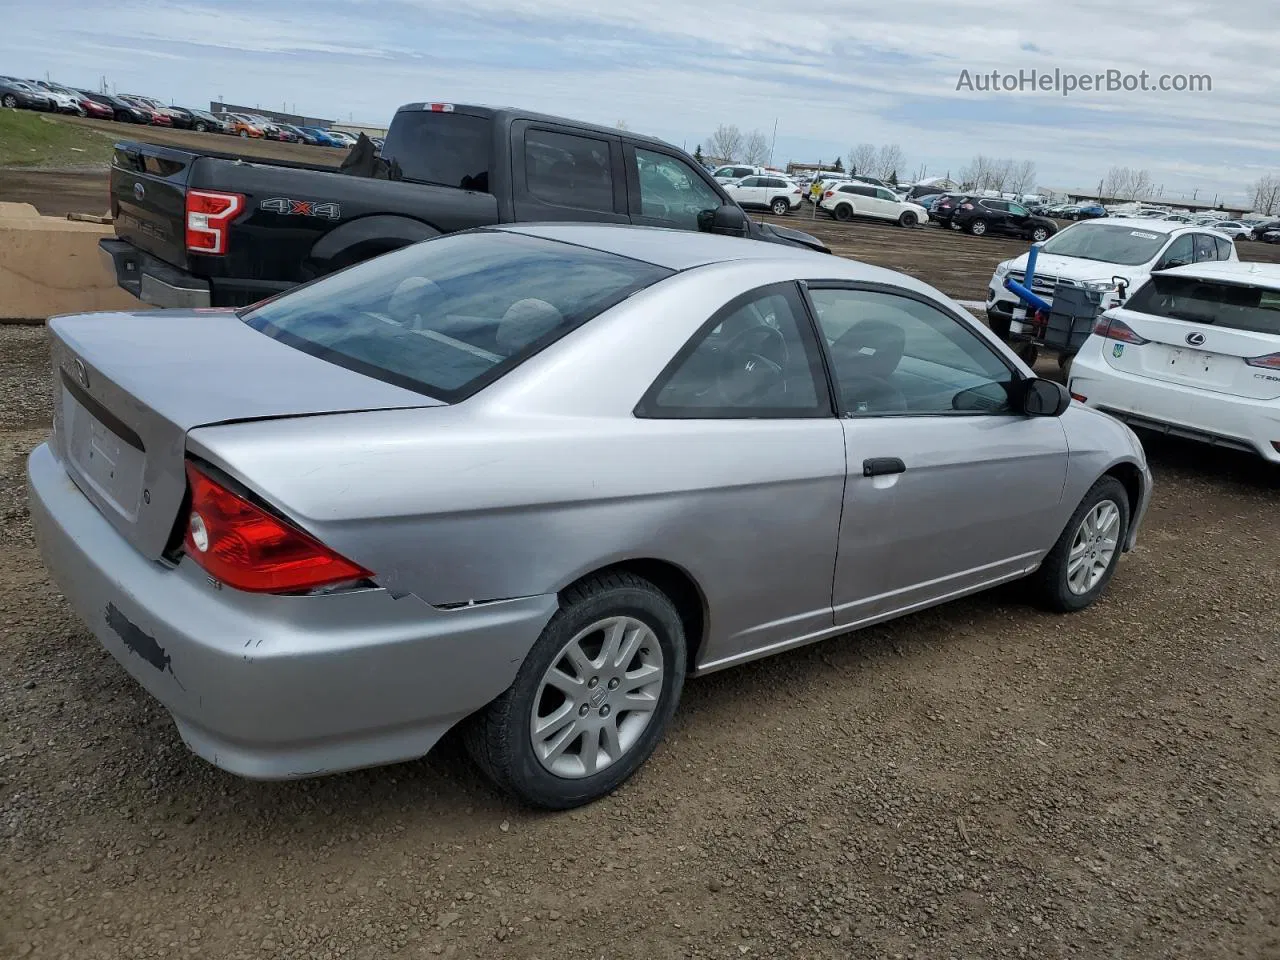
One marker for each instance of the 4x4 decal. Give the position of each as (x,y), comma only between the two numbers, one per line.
(301,208)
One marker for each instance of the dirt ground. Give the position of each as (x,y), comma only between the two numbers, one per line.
(979,780)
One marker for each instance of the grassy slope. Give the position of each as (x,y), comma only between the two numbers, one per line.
(29,139)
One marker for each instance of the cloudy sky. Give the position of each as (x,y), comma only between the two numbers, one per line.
(832,73)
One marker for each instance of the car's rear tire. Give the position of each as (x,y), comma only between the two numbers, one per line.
(10,100)
(908,219)
(1082,562)
(781,206)
(843,212)
(978,227)
(578,710)
(1039,235)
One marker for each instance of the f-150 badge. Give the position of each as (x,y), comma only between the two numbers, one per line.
(301,208)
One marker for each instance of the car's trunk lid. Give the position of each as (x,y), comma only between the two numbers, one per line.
(128,387)
(1207,356)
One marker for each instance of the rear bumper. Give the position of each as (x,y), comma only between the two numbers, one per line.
(278,687)
(160,284)
(1213,418)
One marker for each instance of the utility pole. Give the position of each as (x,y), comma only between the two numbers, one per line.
(775,140)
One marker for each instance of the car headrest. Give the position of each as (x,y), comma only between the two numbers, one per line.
(870,348)
(524,322)
(411,295)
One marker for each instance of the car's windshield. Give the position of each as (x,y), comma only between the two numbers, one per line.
(450,315)
(1231,305)
(1106,242)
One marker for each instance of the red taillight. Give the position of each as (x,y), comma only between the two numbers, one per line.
(1270,362)
(1079,396)
(1114,329)
(209,217)
(441,107)
(244,546)
(829,193)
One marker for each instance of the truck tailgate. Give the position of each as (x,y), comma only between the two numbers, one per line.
(148,198)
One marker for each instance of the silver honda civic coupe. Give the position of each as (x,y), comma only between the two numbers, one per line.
(528,479)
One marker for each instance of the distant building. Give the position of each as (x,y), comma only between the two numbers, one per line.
(276,115)
(794,169)
(355,129)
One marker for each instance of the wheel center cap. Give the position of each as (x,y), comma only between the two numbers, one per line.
(598,696)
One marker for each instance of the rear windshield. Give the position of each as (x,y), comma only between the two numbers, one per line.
(1108,243)
(448,316)
(450,149)
(1206,301)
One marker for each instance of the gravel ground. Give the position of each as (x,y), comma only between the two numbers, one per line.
(980,780)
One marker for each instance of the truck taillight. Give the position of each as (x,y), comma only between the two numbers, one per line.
(209,217)
(1113,329)
(243,546)
(1270,362)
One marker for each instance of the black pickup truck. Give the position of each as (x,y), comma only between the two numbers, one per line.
(208,229)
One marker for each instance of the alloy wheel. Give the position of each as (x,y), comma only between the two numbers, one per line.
(597,697)
(1093,547)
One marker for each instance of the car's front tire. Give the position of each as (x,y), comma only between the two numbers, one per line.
(591,700)
(1039,235)
(978,227)
(908,219)
(1084,559)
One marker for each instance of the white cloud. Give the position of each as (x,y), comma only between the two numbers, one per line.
(833,73)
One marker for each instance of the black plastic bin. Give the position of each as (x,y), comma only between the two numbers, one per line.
(1075,310)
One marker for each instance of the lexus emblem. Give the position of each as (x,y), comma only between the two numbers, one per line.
(1195,339)
(139,191)
(81,373)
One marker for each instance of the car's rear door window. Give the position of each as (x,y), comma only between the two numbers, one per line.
(448,316)
(569,170)
(446,148)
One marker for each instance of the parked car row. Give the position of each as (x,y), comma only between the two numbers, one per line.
(135,108)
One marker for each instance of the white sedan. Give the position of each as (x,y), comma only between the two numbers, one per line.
(1233,228)
(1194,352)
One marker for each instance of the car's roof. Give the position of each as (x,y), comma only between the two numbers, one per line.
(661,246)
(1230,271)
(1139,223)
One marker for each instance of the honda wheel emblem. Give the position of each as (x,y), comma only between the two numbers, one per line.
(1195,339)
(139,191)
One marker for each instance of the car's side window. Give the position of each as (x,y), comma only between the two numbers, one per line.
(1224,248)
(569,170)
(749,182)
(755,358)
(1205,247)
(671,191)
(1180,251)
(883,194)
(893,354)
(1018,210)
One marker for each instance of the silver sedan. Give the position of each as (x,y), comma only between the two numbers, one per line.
(529,479)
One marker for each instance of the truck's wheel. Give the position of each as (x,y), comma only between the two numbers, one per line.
(781,206)
(844,212)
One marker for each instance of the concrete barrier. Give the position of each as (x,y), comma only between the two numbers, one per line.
(50,265)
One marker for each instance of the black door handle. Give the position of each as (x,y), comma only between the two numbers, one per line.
(879,466)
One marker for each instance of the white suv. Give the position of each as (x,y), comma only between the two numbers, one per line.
(853,198)
(736,171)
(1103,255)
(771,192)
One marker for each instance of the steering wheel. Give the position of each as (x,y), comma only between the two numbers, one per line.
(749,363)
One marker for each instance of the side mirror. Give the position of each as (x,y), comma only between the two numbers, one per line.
(1044,398)
(727,219)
